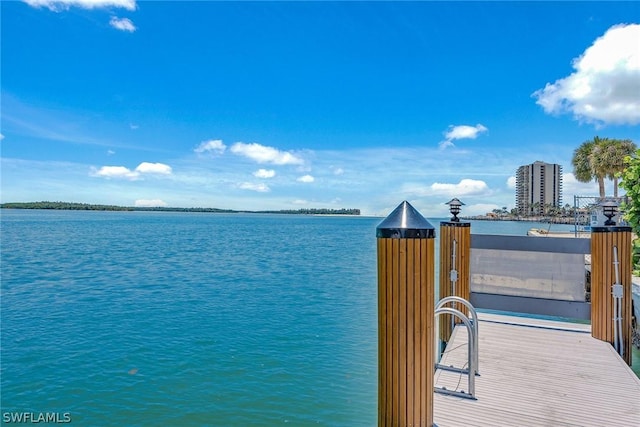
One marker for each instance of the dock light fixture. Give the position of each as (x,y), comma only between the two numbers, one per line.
(454,208)
(609,209)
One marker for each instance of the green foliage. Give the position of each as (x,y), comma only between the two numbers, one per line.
(89,207)
(63,206)
(601,158)
(636,257)
(581,161)
(631,183)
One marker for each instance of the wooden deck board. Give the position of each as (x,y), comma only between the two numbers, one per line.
(538,376)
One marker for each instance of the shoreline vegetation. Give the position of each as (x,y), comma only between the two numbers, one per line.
(544,219)
(71,206)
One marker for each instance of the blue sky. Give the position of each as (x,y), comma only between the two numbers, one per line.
(280,105)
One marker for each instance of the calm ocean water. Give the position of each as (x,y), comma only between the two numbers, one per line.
(136,318)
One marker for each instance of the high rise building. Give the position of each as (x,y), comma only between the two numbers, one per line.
(538,187)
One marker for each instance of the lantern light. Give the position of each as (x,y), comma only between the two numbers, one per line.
(454,208)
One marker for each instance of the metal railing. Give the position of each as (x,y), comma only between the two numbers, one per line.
(472,354)
(532,275)
(473,320)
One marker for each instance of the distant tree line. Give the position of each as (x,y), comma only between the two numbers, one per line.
(315,211)
(64,206)
(93,207)
(167,209)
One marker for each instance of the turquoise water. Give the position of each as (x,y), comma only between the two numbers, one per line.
(141,318)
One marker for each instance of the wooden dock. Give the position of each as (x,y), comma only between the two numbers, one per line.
(537,373)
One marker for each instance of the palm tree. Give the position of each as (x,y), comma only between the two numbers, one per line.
(582,163)
(607,158)
(535,208)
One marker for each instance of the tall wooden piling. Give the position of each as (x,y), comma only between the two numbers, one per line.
(455,255)
(406,303)
(606,243)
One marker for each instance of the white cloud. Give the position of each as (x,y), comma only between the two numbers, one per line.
(110,152)
(461,132)
(446,143)
(464,131)
(264,173)
(264,154)
(337,171)
(122,24)
(605,87)
(300,202)
(465,187)
(511,182)
(123,172)
(306,178)
(115,172)
(156,168)
(133,127)
(259,187)
(1,137)
(59,5)
(571,186)
(214,146)
(153,203)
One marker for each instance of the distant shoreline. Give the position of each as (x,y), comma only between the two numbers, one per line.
(543,219)
(72,206)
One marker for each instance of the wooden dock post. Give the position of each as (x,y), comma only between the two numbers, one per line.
(406,334)
(607,244)
(455,255)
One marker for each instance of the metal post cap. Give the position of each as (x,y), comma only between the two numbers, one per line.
(405,222)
